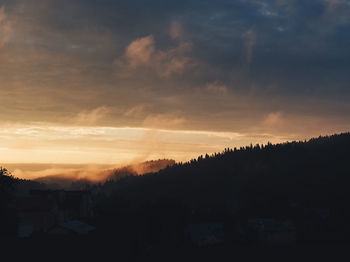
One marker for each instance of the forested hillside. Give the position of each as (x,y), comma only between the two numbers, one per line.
(283,181)
(306,172)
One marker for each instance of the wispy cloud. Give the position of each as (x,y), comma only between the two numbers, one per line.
(91,117)
(107,145)
(141,54)
(249,37)
(217,88)
(165,120)
(136,111)
(140,51)
(5,27)
(176,30)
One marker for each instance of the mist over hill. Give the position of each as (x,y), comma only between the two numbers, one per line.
(82,177)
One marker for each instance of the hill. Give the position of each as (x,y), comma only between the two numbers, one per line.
(282,181)
(84,177)
(292,170)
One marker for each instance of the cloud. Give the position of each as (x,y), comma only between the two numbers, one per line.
(92,117)
(89,172)
(266,10)
(217,88)
(333,4)
(164,120)
(142,54)
(63,175)
(136,110)
(173,61)
(2,13)
(175,30)
(249,38)
(140,51)
(299,125)
(5,27)
(337,12)
(274,120)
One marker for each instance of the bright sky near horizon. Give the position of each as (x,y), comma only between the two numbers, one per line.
(111,145)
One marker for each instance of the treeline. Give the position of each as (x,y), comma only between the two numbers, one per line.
(8,217)
(299,171)
(254,181)
(10,187)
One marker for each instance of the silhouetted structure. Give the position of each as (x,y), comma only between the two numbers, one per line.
(205,234)
(73,227)
(43,209)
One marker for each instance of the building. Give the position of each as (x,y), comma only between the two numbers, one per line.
(73,227)
(272,231)
(43,209)
(205,234)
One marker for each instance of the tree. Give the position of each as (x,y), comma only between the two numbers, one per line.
(8,217)
(7,184)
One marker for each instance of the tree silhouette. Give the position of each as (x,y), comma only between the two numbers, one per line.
(8,218)
(253,181)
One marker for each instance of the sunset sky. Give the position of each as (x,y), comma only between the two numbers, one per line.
(107,82)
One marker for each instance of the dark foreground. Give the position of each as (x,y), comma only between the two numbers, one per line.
(110,251)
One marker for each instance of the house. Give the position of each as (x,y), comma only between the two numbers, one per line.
(317,213)
(272,231)
(25,229)
(316,224)
(205,234)
(74,227)
(35,214)
(42,209)
(71,204)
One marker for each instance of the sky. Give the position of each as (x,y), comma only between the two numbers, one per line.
(107,82)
